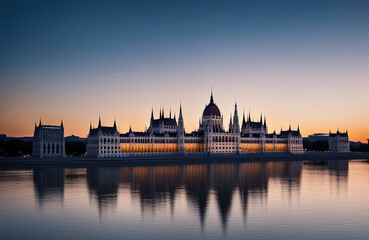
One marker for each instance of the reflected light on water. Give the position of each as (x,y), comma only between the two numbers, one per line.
(276,200)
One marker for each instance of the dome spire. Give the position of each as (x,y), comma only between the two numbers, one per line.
(211,98)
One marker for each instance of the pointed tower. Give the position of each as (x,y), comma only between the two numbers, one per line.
(249,117)
(236,124)
(40,123)
(211,98)
(261,118)
(152,114)
(99,123)
(230,123)
(130,129)
(90,126)
(289,128)
(265,122)
(115,125)
(170,113)
(180,131)
(61,124)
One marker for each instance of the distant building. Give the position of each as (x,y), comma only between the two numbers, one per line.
(166,135)
(339,142)
(74,139)
(318,137)
(48,141)
(3,137)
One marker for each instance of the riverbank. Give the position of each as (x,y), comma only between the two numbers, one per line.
(176,159)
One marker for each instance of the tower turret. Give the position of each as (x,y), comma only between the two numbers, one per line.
(236,124)
(261,118)
(180,131)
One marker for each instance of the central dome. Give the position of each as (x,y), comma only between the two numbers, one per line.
(211,109)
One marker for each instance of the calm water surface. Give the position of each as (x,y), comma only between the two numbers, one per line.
(271,200)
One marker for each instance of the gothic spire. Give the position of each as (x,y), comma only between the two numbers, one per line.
(40,123)
(115,124)
(61,124)
(152,114)
(265,122)
(170,112)
(261,118)
(236,124)
(249,118)
(243,117)
(211,97)
(130,129)
(180,120)
(99,122)
(289,128)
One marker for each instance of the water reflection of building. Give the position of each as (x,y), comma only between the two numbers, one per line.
(103,186)
(154,185)
(49,184)
(252,182)
(224,179)
(197,184)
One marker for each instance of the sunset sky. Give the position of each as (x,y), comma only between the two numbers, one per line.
(299,62)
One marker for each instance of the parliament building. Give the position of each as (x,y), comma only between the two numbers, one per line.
(167,135)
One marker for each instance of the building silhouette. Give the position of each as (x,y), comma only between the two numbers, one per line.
(165,135)
(48,141)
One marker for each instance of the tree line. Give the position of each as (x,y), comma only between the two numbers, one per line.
(20,148)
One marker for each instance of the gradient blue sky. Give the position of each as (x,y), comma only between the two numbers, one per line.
(300,62)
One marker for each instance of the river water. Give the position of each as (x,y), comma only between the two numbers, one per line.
(256,200)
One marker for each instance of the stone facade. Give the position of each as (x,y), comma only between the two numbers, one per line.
(165,136)
(48,141)
(339,142)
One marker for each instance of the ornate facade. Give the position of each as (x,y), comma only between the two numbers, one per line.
(338,142)
(165,136)
(48,141)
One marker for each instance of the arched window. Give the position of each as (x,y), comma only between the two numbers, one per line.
(44,148)
(48,148)
(57,148)
(53,148)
